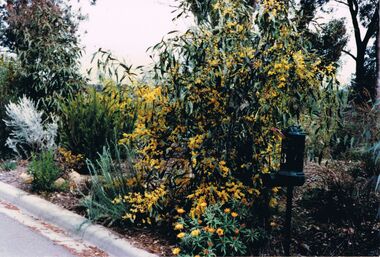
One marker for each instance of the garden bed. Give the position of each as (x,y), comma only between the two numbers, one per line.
(315,232)
(140,237)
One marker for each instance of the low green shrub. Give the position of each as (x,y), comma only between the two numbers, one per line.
(220,231)
(8,165)
(92,119)
(44,170)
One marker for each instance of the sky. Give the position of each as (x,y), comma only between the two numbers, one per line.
(127,28)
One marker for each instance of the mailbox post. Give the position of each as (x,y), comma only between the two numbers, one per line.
(290,174)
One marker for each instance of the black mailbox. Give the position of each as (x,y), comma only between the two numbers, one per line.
(292,157)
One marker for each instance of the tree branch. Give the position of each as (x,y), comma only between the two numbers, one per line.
(350,54)
(353,6)
(341,2)
(373,25)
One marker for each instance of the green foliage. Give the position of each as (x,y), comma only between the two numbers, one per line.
(8,165)
(375,150)
(44,170)
(349,141)
(8,92)
(108,181)
(218,232)
(42,33)
(92,119)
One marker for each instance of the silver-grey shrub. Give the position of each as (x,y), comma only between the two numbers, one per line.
(29,131)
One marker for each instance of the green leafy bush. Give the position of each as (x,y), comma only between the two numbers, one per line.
(43,35)
(92,119)
(349,141)
(44,171)
(219,232)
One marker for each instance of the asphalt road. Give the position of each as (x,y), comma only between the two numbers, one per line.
(18,240)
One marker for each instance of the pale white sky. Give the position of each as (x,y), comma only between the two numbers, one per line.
(127,27)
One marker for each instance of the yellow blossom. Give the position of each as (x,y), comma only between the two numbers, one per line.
(220,232)
(211,230)
(178,226)
(117,200)
(227,210)
(214,62)
(176,251)
(180,211)
(330,68)
(181,235)
(216,6)
(273,202)
(195,232)
(234,214)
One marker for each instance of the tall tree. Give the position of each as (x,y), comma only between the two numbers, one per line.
(364,13)
(328,39)
(43,35)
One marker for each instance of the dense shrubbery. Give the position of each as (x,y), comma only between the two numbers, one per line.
(42,33)
(209,128)
(197,136)
(91,119)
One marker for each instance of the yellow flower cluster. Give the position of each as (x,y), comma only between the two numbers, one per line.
(273,6)
(223,168)
(210,193)
(70,160)
(141,204)
(195,142)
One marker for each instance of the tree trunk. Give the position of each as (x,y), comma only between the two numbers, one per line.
(362,90)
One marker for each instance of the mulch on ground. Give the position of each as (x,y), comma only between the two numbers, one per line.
(319,228)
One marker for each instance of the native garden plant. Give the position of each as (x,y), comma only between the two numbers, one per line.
(180,148)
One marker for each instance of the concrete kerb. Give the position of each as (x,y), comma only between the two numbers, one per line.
(71,222)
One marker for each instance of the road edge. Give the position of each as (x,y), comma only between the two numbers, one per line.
(71,222)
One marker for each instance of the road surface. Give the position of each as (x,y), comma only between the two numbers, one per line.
(22,235)
(17,240)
